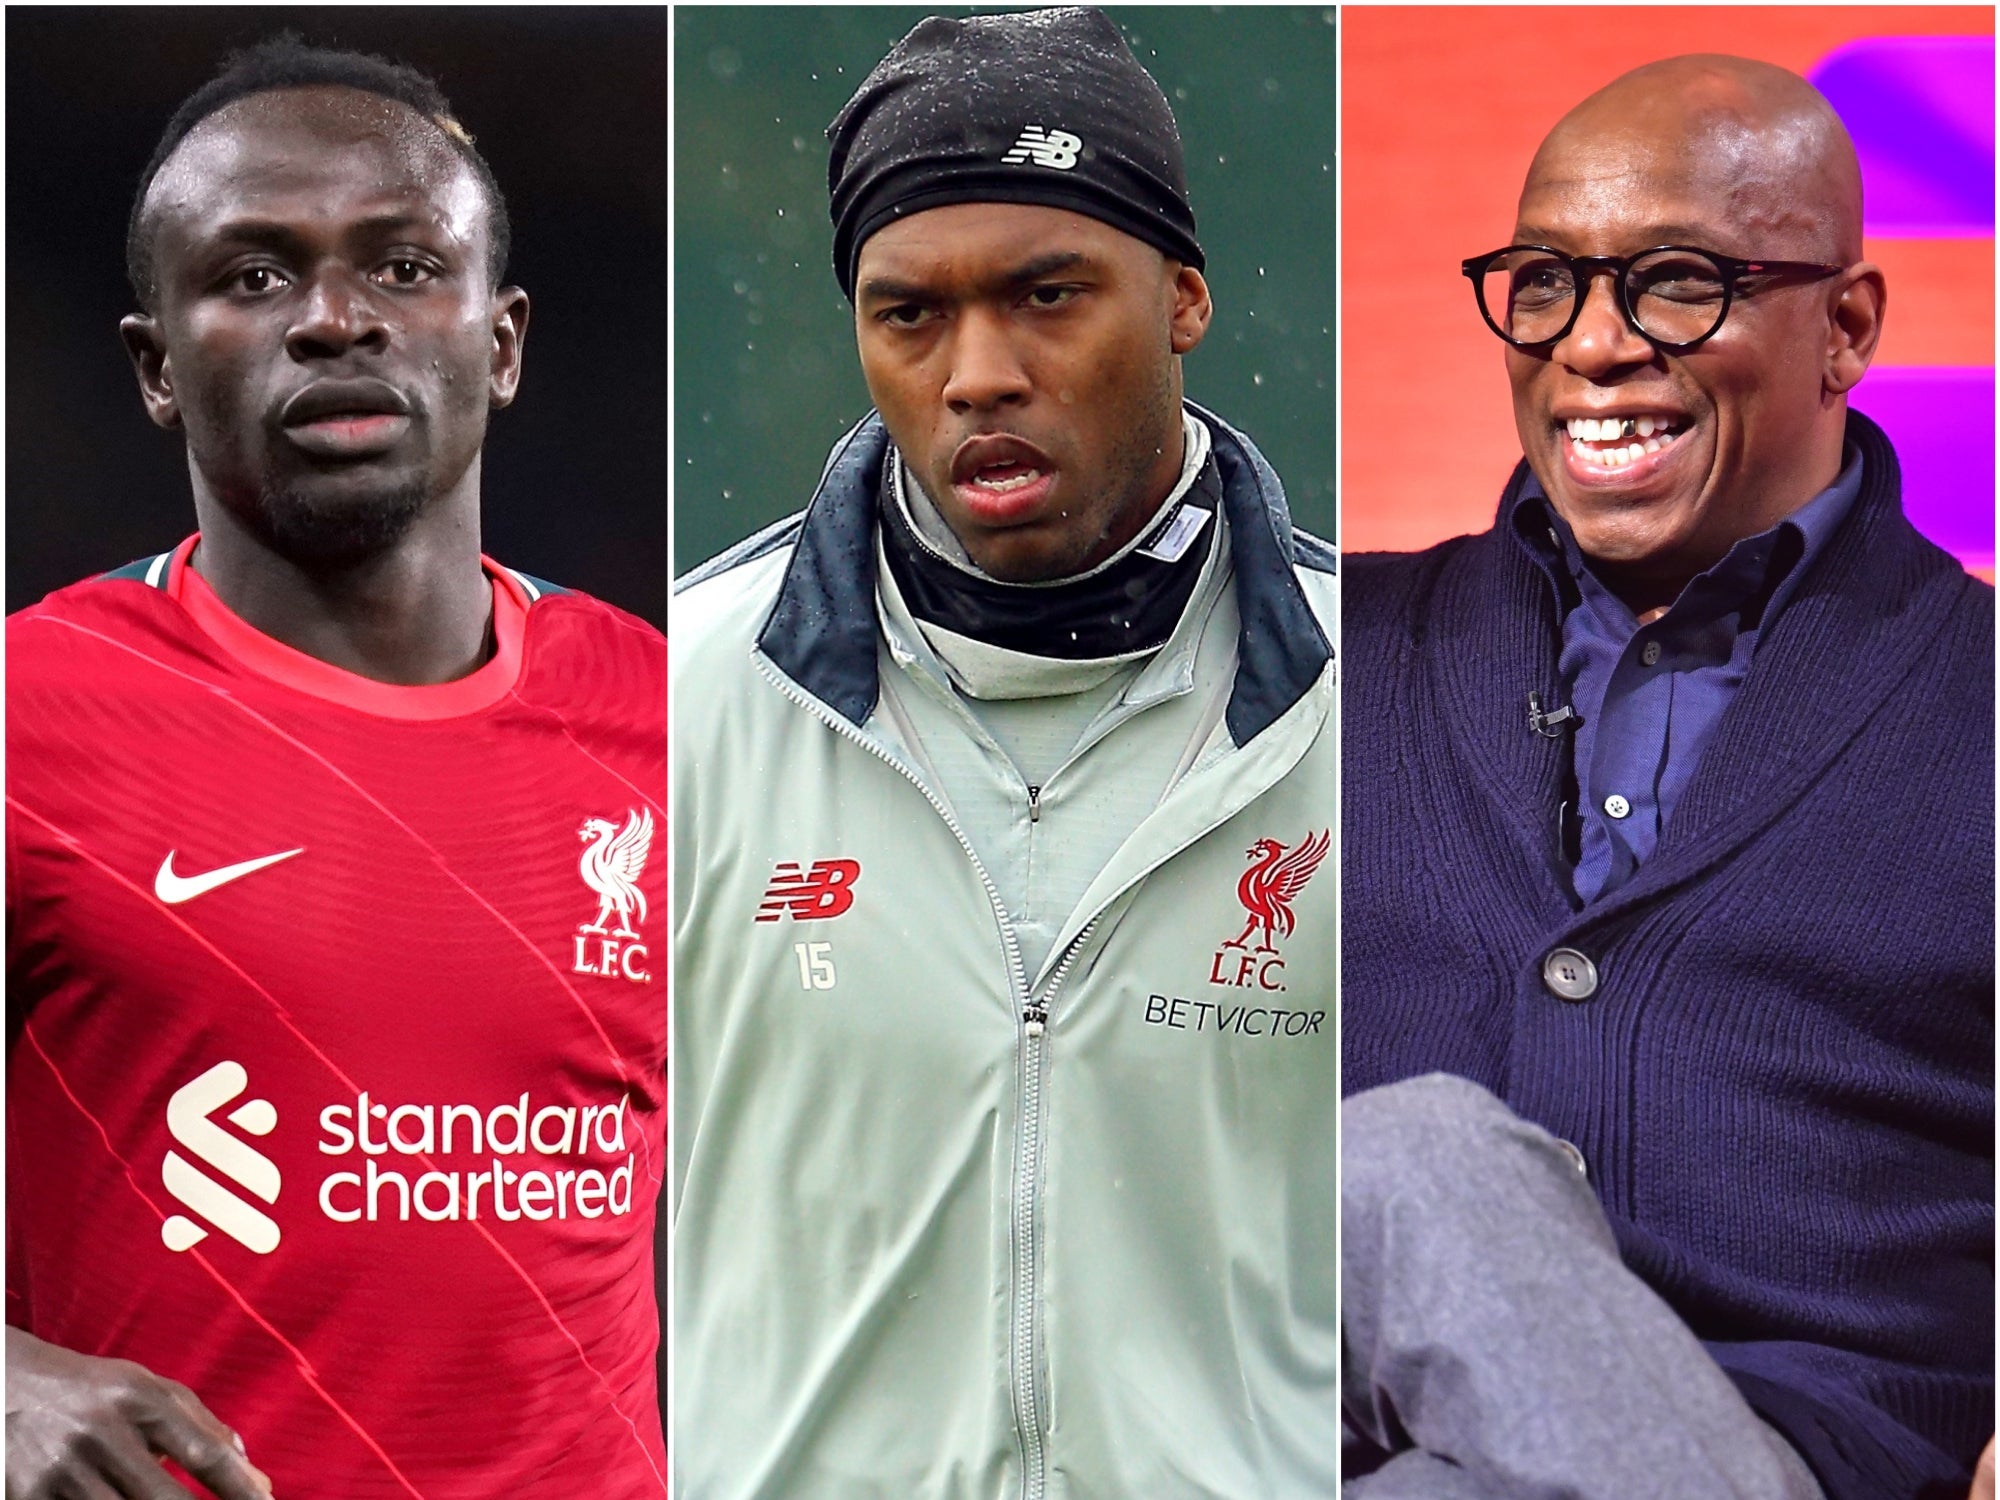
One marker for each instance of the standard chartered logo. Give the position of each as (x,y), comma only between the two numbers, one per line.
(563,1138)
(188,1119)
(555,1161)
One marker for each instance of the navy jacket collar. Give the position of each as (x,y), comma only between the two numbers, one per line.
(822,632)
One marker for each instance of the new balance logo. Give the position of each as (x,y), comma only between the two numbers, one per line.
(188,1115)
(824,890)
(1045,148)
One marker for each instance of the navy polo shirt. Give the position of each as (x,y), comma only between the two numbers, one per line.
(1648,697)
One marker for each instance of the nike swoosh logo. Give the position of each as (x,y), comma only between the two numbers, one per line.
(174,889)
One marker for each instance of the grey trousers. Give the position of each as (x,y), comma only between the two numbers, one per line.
(1495,1343)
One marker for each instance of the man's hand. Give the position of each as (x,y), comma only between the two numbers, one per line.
(95,1429)
(1982,1477)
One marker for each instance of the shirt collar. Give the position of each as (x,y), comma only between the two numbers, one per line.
(1762,569)
(480,689)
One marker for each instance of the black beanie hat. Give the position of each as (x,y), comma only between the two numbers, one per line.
(1040,106)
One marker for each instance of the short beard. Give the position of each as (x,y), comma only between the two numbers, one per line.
(319,536)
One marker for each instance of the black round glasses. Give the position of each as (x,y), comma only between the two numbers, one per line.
(1676,296)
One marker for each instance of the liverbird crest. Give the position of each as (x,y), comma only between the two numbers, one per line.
(612,866)
(1273,881)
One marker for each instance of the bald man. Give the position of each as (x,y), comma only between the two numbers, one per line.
(1668,870)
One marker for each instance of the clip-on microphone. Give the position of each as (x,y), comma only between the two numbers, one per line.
(1550,726)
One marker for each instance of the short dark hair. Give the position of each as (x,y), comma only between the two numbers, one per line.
(283,62)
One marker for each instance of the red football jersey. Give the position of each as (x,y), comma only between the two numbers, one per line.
(337,1034)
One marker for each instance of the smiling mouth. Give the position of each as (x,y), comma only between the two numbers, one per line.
(1615,442)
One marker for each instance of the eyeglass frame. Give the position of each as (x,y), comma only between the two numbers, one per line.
(1584,269)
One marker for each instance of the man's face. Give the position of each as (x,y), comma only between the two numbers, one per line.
(1743,414)
(1025,360)
(324,326)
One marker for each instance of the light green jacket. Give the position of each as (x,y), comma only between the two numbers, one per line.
(942,1229)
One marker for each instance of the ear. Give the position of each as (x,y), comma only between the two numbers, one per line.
(510,333)
(148,352)
(1192,310)
(1854,326)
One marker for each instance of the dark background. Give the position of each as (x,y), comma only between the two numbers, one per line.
(766,377)
(569,107)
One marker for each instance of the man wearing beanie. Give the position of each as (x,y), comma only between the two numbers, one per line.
(1004,1014)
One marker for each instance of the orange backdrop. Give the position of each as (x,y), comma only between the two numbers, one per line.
(1441,109)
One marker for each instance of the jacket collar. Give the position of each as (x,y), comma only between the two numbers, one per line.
(822,631)
(1864,613)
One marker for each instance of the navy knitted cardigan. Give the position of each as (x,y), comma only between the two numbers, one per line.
(1783,1085)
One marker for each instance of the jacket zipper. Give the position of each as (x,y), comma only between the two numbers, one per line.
(1029,1415)
(1026,1319)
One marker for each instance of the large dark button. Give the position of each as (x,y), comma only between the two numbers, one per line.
(1569,975)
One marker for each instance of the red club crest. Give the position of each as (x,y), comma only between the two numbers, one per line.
(1273,881)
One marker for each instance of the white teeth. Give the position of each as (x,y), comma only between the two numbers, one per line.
(1647,430)
(1012,482)
(1610,429)
(1618,458)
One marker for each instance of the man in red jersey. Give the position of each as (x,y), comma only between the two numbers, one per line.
(336,969)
